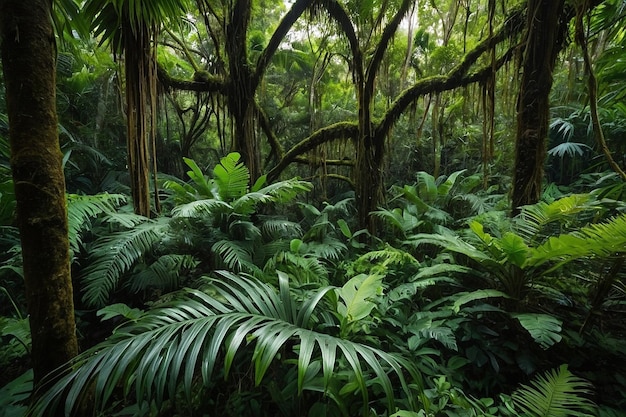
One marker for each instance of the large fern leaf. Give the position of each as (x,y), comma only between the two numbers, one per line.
(179,344)
(557,393)
(598,240)
(232,177)
(82,208)
(164,273)
(113,255)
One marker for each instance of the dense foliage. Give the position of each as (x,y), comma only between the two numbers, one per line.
(245,294)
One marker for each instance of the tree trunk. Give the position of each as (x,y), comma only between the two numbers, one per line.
(138,111)
(544,38)
(28,57)
(241,89)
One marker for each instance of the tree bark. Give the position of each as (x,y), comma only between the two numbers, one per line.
(544,40)
(28,57)
(139,91)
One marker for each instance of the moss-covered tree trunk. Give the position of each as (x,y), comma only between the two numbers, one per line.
(544,38)
(28,58)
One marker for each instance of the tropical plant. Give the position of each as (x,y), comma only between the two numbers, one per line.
(556,393)
(230,317)
(215,223)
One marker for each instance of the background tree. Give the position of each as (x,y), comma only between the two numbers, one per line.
(131,28)
(546,28)
(28,58)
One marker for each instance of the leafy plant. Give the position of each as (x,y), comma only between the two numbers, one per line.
(557,393)
(200,330)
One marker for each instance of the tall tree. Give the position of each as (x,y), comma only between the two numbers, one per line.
(28,58)
(132,27)
(545,30)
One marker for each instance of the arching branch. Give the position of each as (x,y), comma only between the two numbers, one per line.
(342,130)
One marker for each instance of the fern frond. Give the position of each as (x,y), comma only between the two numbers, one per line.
(557,393)
(599,240)
(329,248)
(388,256)
(177,345)
(534,218)
(235,255)
(232,177)
(113,255)
(82,208)
(273,228)
(286,191)
(164,273)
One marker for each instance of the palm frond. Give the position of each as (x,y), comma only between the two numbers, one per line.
(329,248)
(534,218)
(113,255)
(177,344)
(303,268)
(286,191)
(557,393)
(275,228)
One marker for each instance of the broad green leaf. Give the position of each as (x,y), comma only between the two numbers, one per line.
(119,309)
(357,295)
(476,295)
(544,328)
(514,248)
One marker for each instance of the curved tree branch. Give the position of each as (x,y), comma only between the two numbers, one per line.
(342,130)
(209,84)
(277,37)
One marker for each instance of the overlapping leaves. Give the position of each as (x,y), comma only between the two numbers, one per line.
(174,345)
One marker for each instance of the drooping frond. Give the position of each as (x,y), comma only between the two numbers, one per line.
(198,208)
(328,248)
(286,191)
(557,393)
(163,274)
(113,255)
(275,228)
(534,218)
(381,260)
(235,255)
(599,240)
(82,208)
(180,344)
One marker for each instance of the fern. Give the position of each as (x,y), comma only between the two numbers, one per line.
(235,255)
(232,177)
(535,218)
(600,240)
(82,208)
(557,393)
(164,273)
(114,255)
(199,208)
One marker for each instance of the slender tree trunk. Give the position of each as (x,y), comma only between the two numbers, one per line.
(140,106)
(28,57)
(241,89)
(543,43)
